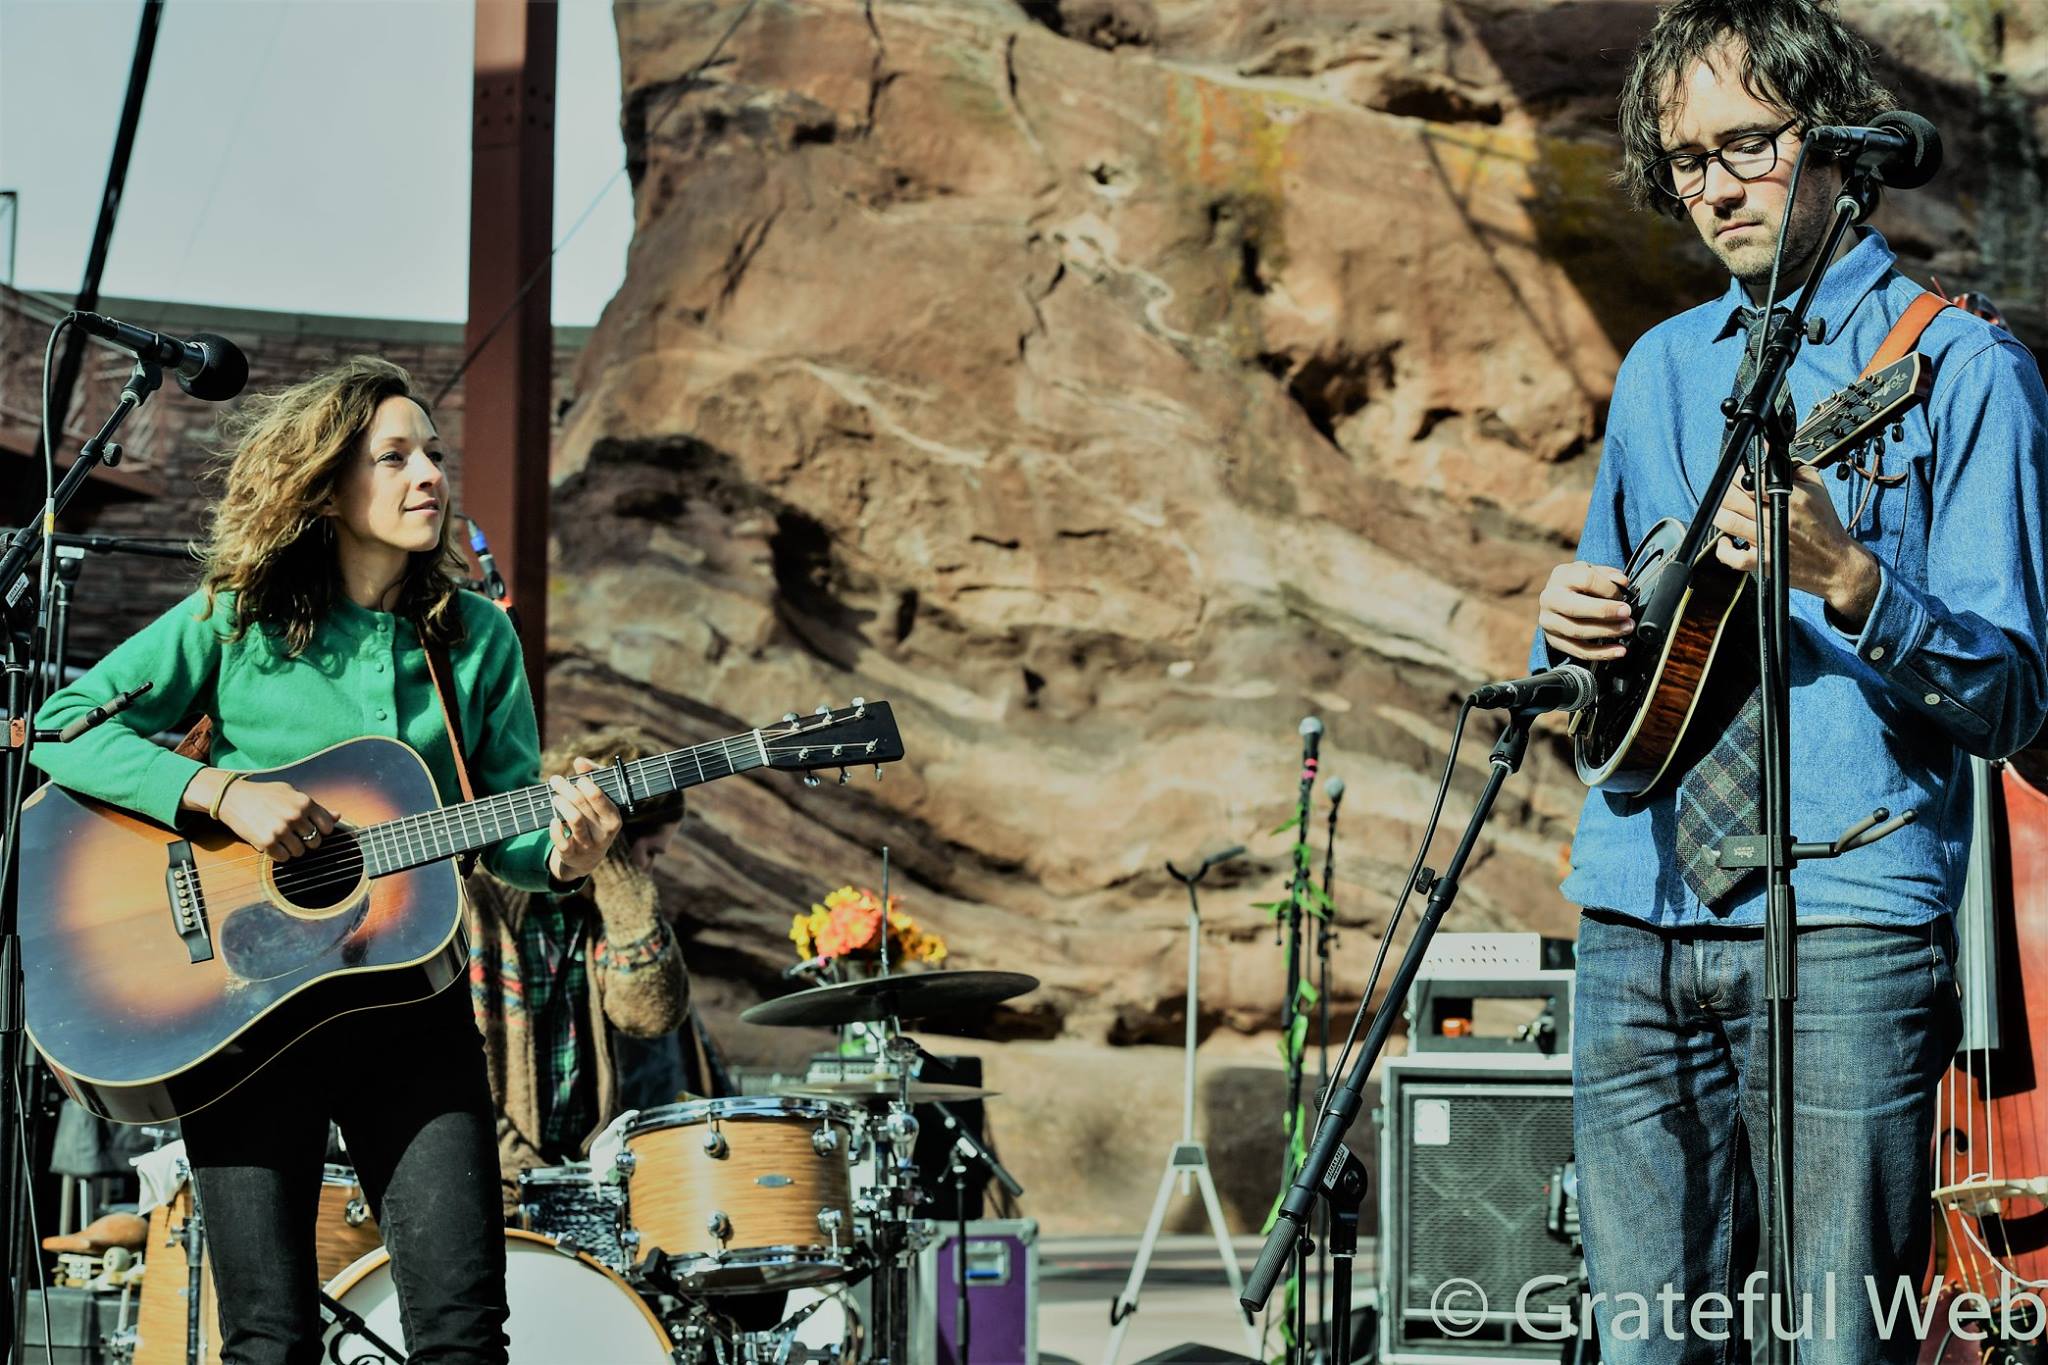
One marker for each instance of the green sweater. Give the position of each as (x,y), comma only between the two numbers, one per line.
(365,673)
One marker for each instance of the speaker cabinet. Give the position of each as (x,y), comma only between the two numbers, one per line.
(1468,1150)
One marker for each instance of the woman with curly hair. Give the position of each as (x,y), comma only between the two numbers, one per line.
(328,573)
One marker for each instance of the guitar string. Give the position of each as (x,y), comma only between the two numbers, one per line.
(340,865)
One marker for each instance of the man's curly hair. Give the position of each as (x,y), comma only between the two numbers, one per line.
(1796,55)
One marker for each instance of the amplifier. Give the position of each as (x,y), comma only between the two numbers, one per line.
(1529,1015)
(1468,1149)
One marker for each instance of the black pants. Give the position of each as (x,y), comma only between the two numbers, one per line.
(407,1086)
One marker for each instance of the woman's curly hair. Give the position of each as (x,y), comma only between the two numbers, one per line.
(271,547)
(1797,55)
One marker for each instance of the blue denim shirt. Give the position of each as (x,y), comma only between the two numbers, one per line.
(1950,661)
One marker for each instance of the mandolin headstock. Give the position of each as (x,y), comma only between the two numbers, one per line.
(1845,418)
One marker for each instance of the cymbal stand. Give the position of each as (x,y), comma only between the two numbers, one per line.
(1186,1158)
(895,1204)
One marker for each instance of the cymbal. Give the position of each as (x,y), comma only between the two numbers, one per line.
(919,995)
(885,1086)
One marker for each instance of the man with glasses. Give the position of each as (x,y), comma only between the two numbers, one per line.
(1919,583)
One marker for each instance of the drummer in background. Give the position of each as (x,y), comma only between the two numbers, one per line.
(551,977)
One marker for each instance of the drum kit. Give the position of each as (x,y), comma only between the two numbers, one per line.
(715,1232)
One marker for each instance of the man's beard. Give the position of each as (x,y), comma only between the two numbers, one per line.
(1749,260)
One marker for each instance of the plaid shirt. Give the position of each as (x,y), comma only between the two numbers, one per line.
(553,953)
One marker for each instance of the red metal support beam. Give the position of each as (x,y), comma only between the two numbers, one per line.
(506,393)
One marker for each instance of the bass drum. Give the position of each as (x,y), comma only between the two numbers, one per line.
(564,1308)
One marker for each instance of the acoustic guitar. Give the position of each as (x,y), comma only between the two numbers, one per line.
(1656,710)
(164,967)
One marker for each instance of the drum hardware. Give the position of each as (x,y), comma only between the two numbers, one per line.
(719,1226)
(716,1147)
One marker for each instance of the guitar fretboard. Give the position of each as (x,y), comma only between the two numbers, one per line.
(414,840)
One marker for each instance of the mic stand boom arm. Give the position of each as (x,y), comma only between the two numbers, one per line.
(1327,1156)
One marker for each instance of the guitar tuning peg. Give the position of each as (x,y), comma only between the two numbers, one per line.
(878,772)
(1898,431)
(843,779)
(789,717)
(823,709)
(859,702)
(811,780)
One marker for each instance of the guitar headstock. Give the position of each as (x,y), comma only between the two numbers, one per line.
(862,733)
(1845,418)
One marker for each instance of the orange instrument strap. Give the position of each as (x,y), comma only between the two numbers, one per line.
(1906,331)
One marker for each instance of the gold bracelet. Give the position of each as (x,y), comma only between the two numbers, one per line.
(213,811)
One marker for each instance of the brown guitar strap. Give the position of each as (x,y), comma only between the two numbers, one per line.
(1906,331)
(443,673)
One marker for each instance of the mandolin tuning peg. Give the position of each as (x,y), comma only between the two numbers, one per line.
(878,772)
(789,717)
(824,709)
(1898,432)
(843,779)
(811,780)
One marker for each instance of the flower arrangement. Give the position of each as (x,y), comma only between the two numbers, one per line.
(848,927)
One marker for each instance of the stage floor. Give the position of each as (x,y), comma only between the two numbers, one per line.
(1185,1297)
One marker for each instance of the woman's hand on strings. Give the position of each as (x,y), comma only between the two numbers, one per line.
(275,817)
(584,826)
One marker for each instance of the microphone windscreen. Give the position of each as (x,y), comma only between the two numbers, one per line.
(1926,143)
(1311,726)
(1334,789)
(224,374)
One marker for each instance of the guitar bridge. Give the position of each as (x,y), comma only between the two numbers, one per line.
(188,901)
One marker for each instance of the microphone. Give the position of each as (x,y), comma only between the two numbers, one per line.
(104,711)
(1334,789)
(1311,740)
(1568,687)
(210,368)
(494,582)
(1900,148)
(809,964)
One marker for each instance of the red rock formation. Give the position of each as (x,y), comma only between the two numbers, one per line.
(1110,383)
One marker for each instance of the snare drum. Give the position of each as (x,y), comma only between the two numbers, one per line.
(565,1307)
(559,1202)
(744,1194)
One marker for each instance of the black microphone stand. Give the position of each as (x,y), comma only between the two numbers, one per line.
(23,665)
(1328,1158)
(1290,1012)
(1326,939)
(1763,446)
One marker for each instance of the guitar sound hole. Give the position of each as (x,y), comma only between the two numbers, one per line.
(323,878)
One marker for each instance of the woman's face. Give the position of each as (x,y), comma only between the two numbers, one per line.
(391,493)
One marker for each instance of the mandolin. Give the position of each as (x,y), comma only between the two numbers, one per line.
(1655,710)
(161,968)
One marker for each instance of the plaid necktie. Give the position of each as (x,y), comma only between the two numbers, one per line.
(1722,793)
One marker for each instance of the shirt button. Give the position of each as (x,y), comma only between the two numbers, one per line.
(382,714)
(1876,653)
(378,667)
(1933,698)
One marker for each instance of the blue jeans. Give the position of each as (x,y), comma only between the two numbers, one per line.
(407,1085)
(1670,1106)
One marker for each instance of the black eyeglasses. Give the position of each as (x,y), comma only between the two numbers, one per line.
(1683,175)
